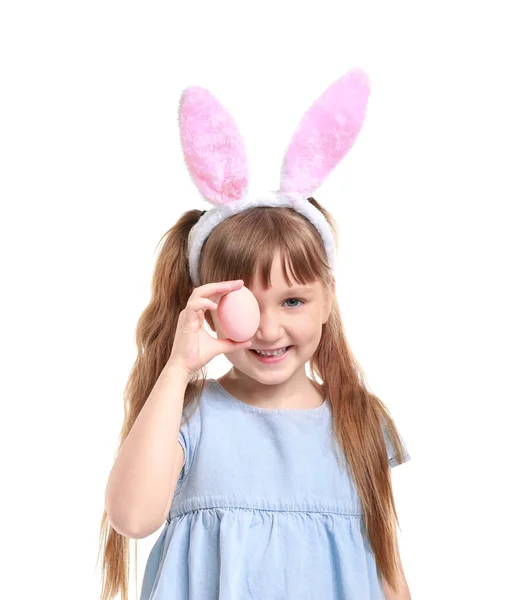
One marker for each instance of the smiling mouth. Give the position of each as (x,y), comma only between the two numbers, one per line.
(271,356)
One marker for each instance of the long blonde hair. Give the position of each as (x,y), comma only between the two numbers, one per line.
(239,247)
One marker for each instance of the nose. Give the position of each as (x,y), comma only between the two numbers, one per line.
(270,327)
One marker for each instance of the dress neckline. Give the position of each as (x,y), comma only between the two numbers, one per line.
(259,409)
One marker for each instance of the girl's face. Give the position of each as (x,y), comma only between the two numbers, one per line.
(288,317)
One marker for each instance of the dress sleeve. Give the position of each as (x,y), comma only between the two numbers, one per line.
(391,454)
(189,434)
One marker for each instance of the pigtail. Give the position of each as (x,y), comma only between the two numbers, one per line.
(170,289)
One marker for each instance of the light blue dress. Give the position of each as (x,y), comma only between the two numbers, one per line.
(263,510)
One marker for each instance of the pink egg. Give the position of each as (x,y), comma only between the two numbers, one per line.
(239,314)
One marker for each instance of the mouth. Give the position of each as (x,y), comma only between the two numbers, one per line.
(271,359)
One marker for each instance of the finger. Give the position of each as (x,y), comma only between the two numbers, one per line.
(202,303)
(231,345)
(231,287)
(196,307)
(217,289)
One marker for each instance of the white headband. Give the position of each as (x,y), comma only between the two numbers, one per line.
(211,218)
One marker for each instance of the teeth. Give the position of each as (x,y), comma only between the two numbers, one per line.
(276,353)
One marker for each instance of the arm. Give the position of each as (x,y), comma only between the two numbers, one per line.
(144,475)
(404,592)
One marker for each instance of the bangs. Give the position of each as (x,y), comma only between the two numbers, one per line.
(244,247)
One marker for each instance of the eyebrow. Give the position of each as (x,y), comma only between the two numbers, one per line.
(305,290)
(300,290)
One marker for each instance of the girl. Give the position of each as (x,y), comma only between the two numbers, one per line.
(271,484)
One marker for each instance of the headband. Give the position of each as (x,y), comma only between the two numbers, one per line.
(216,160)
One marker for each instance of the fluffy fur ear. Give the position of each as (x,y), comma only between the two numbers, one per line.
(213,148)
(325,134)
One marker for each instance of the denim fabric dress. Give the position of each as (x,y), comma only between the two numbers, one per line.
(263,510)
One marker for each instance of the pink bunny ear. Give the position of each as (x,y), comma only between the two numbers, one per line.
(325,134)
(213,148)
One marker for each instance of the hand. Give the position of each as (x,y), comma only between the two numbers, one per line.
(193,346)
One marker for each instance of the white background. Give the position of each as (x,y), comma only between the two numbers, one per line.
(92,175)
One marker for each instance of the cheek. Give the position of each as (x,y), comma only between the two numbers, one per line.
(308,329)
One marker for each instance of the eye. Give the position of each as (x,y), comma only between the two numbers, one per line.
(296,300)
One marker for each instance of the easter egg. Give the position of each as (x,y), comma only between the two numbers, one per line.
(239,314)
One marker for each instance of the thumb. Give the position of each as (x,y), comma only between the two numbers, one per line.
(230,345)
